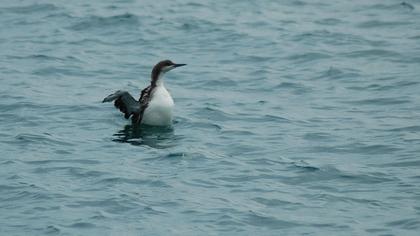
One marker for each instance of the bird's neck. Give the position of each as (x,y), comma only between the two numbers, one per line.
(157,80)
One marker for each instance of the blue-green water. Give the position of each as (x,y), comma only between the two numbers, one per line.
(292,118)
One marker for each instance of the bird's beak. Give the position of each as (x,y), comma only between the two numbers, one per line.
(178,65)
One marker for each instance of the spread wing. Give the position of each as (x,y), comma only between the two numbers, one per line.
(126,103)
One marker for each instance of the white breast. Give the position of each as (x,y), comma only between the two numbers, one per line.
(159,110)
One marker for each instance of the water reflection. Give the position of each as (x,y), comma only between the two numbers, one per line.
(156,137)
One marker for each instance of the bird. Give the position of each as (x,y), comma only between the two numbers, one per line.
(155,105)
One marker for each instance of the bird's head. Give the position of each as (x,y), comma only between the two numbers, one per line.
(163,67)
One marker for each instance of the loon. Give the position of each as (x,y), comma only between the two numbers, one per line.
(155,105)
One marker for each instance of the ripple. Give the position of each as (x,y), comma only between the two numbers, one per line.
(277,202)
(20,105)
(396,164)
(329,21)
(374,87)
(379,101)
(53,161)
(319,137)
(297,87)
(305,167)
(45,138)
(121,180)
(156,137)
(375,149)
(267,221)
(338,73)
(376,23)
(402,5)
(29,9)
(98,22)
(51,229)
(407,5)
(40,57)
(413,128)
(408,224)
(313,174)
(336,38)
(214,114)
(82,225)
(373,53)
(307,57)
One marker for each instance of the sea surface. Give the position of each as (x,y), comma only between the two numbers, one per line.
(292,117)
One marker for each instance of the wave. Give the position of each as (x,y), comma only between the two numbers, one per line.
(100,22)
(29,9)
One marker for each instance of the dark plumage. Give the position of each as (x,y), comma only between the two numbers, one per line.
(125,103)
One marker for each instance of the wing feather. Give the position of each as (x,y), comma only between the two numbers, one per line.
(125,103)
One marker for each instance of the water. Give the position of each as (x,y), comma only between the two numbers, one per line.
(292,117)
